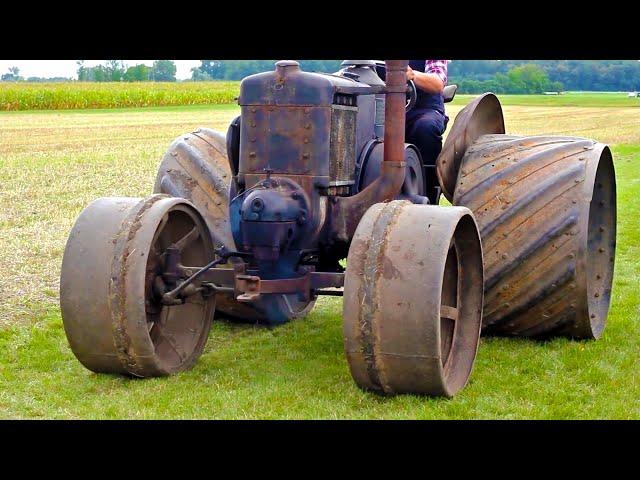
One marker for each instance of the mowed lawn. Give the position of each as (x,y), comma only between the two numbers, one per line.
(54,163)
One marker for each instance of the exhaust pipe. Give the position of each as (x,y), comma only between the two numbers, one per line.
(347,211)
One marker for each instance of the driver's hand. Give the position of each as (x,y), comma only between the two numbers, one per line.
(410,73)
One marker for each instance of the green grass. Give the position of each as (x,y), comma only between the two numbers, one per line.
(87,95)
(54,164)
(571,99)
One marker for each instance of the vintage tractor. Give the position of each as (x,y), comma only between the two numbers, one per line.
(254,225)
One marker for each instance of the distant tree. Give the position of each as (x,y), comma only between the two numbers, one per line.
(83,72)
(197,75)
(12,76)
(527,78)
(163,71)
(137,73)
(114,70)
(213,69)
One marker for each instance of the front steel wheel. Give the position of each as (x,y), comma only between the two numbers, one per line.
(413,299)
(111,269)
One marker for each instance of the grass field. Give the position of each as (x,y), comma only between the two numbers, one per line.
(53,163)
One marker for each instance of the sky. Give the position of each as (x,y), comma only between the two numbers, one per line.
(68,68)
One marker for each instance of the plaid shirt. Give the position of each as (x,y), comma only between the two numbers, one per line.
(438,67)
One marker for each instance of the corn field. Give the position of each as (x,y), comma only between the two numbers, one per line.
(82,95)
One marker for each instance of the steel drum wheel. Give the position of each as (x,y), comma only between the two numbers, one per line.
(112,317)
(413,299)
(196,168)
(546,207)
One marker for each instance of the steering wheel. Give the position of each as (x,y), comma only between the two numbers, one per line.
(412,95)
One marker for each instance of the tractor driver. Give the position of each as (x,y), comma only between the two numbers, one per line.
(427,121)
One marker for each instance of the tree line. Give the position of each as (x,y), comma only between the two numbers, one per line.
(471,76)
(477,76)
(536,76)
(117,71)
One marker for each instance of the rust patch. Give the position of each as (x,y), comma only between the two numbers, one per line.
(117,287)
(373,269)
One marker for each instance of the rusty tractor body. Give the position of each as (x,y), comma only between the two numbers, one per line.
(253,225)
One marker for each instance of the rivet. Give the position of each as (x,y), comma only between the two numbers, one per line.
(306,140)
(504,255)
(602,229)
(305,155)
(252,154)
(596,295)
(593,315)
(601,249)
(572,255)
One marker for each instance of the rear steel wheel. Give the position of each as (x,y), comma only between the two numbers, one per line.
(109,284)
(413,299)
(546,207)
(196,168)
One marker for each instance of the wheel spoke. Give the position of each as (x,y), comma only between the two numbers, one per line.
(168,337)
(449,312)
(189,238)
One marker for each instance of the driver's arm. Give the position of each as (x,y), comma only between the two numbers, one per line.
(434,78)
